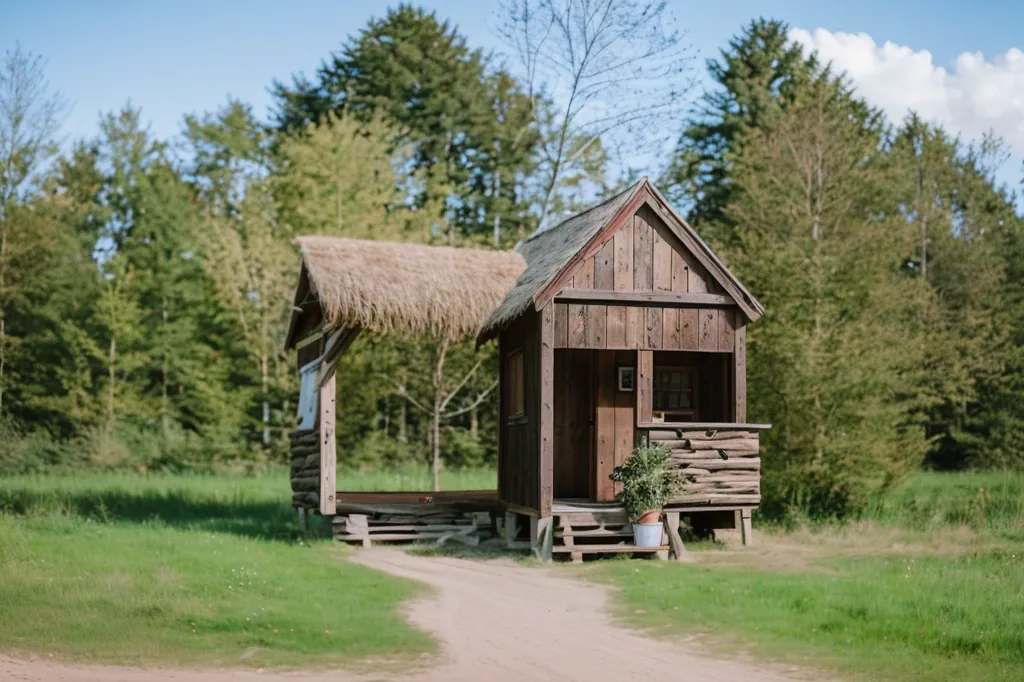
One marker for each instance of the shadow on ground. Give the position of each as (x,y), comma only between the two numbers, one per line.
(262,519)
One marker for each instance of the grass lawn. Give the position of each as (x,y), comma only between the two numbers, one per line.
(162,569)
(930,586)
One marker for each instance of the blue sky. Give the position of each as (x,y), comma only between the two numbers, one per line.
(173,58)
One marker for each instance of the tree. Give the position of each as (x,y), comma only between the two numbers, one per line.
(30,116)
(617,70)
(461,124)
(245,247)
(834,361)
(438,396)
(956,218)
(152,227)
(756,77)
(343,178)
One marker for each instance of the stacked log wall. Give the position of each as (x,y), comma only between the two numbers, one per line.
(718,467)
(305,468)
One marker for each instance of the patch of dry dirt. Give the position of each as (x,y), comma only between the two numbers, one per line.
(495,620)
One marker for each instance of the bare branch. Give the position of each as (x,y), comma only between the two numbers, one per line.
(479,399)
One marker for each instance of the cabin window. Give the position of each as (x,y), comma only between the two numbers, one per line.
(675,393)
(308,394)
(515,384)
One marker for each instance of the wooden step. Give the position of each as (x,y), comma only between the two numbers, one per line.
(607,549)
(595,533)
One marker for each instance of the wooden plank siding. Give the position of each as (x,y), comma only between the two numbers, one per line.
(614,420)
(710,330)
(642,257)
(519,476)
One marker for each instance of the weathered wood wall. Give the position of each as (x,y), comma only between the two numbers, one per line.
(305,468)
(720,467)
(645,257)
(710,330)
(519,438)
(613,420)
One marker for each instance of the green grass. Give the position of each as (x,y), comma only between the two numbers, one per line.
(989,502)
(861,599)
(170,569)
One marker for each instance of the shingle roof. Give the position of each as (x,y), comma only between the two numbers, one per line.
(546,252)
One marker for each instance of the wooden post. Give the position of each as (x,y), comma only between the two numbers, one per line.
(645,387)
(739,370)
(541,537)
(511,529)
(676,542)
(547,409)
(746,527)
(328,452)
(303,527)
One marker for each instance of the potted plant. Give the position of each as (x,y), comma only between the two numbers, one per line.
(647,484)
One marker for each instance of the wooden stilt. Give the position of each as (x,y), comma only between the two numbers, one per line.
(511,529)
(541,537)
(746,527)
(674,540)
(303,522)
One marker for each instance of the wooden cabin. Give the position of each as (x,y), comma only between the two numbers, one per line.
(615,326)
(625,326)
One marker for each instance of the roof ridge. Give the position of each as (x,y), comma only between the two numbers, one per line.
(614,197)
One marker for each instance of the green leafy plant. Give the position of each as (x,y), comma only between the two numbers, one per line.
(647,482)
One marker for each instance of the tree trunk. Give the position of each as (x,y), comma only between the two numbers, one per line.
(112,378)
(265,379)
(164,405)
(402,418)
(3,310)
(442,349)
(474,424)
(497,213)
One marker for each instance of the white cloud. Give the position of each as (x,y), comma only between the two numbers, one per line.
(974,96)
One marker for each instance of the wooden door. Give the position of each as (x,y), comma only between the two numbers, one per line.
(574,418)
(614,418)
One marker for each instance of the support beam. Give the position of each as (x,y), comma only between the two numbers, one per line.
(511,529)
(746,528)
(674,540)
(644,387)
(328,452)
(644,298)
(542,537)
(547,409)
(739,371)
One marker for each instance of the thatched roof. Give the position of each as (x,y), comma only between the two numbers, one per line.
(407,289)
(547,252)
(550,252)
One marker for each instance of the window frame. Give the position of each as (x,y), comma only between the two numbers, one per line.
(688,414)
(512,396)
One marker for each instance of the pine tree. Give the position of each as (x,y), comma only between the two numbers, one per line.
(463,125)
(756,78)
(833,362)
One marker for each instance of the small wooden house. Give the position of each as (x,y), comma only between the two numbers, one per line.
(624,326)
(617,325)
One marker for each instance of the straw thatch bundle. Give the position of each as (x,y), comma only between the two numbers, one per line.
(407,289)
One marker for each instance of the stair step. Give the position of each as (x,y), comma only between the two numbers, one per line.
(599,533)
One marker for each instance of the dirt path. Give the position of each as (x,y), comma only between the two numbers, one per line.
(495,621)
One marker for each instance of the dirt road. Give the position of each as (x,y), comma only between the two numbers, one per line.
(496,621)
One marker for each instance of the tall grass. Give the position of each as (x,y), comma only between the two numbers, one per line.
(991,501)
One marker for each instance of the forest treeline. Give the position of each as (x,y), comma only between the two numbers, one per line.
(146,284)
